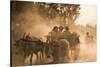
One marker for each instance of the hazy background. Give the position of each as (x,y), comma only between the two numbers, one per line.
(26,18)
(88,15)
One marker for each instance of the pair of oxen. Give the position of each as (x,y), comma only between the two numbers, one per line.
(66,47)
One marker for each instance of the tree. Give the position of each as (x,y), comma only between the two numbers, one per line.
(67,11)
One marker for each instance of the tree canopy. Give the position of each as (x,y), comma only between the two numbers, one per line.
(51,10)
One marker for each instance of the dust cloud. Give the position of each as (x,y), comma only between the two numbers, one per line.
(87,51)
(31,22)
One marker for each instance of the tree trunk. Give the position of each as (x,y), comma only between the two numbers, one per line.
(70,21)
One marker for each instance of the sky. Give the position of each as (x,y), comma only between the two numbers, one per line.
(87,15)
